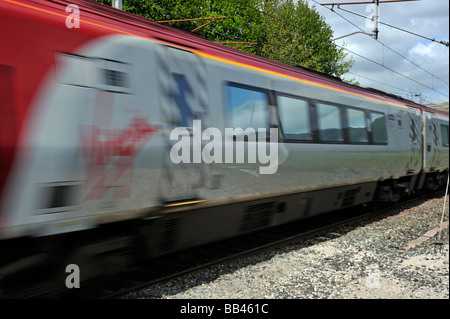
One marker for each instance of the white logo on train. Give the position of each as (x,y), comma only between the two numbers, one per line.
(212,151)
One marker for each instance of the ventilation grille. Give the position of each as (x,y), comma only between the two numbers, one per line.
(96,73)
(349,197)
(257,216)
(169,235)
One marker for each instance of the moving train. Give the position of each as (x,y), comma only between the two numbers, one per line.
(122,139)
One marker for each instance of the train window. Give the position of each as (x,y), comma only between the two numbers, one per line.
(181,93)
(96,73)
(357,129)
(247,108)
(444,135)
(77,70)
(115,78)
(294,118)
(330,124)
(378,123)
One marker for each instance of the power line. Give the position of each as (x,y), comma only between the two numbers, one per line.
(382,65)
(400,29)
(407,94)
(376,81)
(289,24)
(412,62)
(225,36)
(392,70)
(364,2)
(389,47)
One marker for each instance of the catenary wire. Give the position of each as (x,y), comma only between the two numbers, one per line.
(382,65)
(398,28)
(288,24)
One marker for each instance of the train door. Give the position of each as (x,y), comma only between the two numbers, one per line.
(182,99)
(432,141)
(414,125)
(433,147)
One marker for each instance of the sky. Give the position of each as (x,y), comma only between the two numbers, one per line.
(401,63)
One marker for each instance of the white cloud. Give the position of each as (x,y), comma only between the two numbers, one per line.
(426,51)
(409,54)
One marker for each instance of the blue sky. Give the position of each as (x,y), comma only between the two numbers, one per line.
(405,64)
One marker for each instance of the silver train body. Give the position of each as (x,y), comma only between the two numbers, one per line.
(94,169)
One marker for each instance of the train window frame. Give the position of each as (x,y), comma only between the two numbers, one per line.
(291,138)
(341,121)
(229,114)
(94,73)
(444,128)
(371,129)
(347,127)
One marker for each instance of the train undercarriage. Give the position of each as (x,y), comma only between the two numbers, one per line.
(35,262)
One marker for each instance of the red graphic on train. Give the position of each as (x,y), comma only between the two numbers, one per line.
(111,151)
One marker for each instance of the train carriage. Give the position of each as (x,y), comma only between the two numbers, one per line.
(122,121)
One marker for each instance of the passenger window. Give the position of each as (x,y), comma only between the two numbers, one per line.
(329,121)
(444,135)
(181,98)
(379,133)
(96,73)
(115,78)
(294,118)
(357,129)
(247,108)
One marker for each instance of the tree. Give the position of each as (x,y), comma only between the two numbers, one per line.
(287,31)
(295,34)
(242,24)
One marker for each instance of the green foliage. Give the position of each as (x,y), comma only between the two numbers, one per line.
(287,31)
(297,35)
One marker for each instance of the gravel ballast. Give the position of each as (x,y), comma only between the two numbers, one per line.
(384,259)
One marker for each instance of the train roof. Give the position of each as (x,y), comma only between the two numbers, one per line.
(410,103)
(118,21)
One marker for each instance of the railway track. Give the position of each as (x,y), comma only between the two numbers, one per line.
(166,268)
(322,228)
